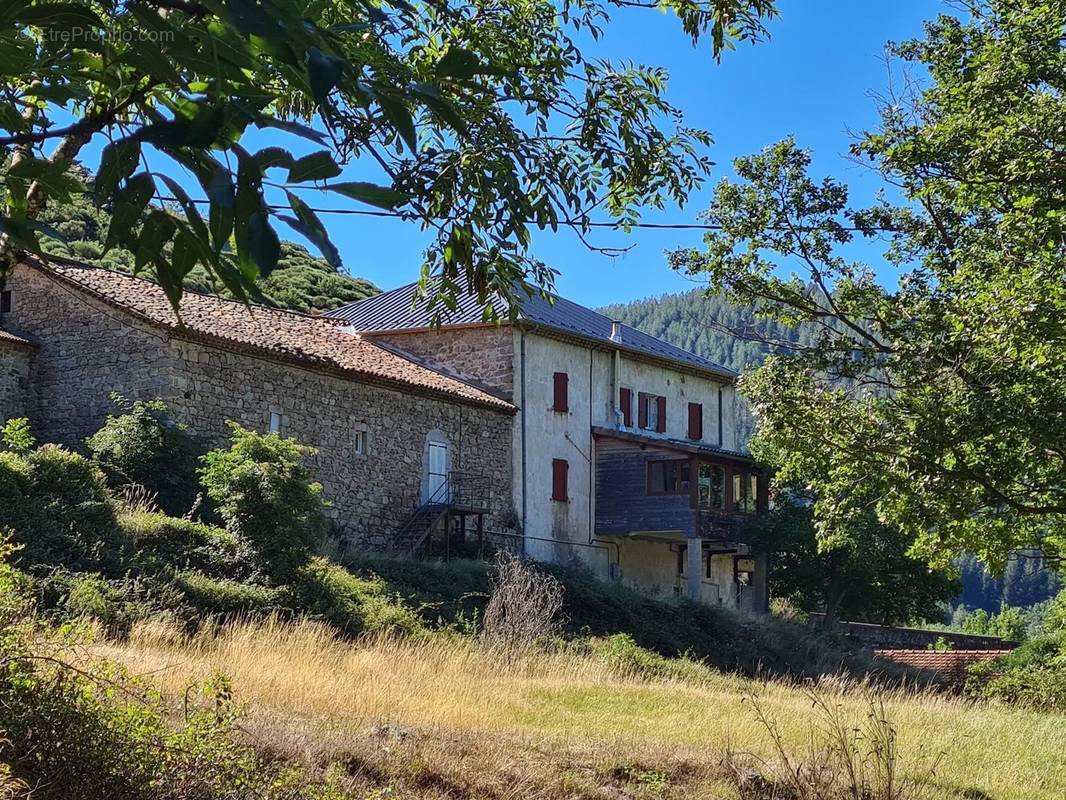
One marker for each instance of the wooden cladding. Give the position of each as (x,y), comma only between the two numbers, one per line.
(625,401)
(560,476)
(695,421)
(560,392)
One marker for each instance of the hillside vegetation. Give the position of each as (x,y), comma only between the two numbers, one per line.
(301,281)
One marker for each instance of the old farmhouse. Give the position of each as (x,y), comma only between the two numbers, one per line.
(562,434)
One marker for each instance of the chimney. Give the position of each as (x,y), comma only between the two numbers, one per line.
(616,331)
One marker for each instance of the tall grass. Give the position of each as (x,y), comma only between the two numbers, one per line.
(572,696)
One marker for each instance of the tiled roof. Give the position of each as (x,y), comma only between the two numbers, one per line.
(397,311)
(313,342)
(681,445)
(11,338)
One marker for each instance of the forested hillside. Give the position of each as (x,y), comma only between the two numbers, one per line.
(301,281)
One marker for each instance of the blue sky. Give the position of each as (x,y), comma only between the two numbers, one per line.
(811,79)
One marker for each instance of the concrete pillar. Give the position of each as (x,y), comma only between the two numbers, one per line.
(695,568)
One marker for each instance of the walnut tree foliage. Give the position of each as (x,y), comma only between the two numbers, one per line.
(940,405)
(487,119)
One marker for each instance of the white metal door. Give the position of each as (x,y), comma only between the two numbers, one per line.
(436,486)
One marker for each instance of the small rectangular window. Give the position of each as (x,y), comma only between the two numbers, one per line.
(560,476)
(359,441)
(625,401)
(695,421)
(5,301)
(651,412)
(560,392)
(275,422)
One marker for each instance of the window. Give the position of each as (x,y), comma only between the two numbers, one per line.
(560,390)
(651,412)
(710,486)
(5,301)
(625,402)
(359,440)
(560,474)
(744,570)
(275,422)
(668,477)
(745,491)
(695,421)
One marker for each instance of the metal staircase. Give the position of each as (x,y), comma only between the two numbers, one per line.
(462,495)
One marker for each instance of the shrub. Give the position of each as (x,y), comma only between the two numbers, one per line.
(224,597)
(167,543)
(144,446)
(629,659)
(525,605)
(266,496)
(16,435)
(57,504)
(352,604)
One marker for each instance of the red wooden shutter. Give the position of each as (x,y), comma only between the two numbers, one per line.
(695,421)
(661,426)
(560,468)
(625,400)
(642,410)
(560,385)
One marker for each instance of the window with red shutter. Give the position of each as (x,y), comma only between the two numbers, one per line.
(660,423)
(642,410)
(560,470)
(560,386)
(625,400)
(695,421)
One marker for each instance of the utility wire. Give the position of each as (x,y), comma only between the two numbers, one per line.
(673,226)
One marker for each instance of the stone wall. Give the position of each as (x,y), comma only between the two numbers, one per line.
(484,354)
(372,494)
(88,349)
(14,380)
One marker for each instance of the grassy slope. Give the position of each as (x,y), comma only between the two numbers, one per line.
(471,717)
(726,640)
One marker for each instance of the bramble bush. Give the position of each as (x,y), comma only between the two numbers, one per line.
(144,446)
(265,495)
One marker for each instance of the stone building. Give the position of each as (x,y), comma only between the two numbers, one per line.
(79,333)
(624,448)
(562,434)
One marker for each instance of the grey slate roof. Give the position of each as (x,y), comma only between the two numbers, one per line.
(396,311)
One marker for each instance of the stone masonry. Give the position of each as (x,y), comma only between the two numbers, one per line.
(481,354)
(88,349)
(14,378)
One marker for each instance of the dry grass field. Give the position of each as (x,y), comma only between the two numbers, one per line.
(443,716)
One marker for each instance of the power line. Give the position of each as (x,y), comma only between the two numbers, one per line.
(673,226)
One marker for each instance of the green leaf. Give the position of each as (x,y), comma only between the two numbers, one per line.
(324,72)
(200,131)
(129,205)
(264,246)
(315,167)
(397,114)
(67,15)
(458,63)
(308,224)
(306,132)
(156,231)
(117,162)
(370,193)
(274,157)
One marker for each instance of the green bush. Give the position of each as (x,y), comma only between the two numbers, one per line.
(266,496)
(167,543)
(227,598)
(144,446)
(622,653)
(352,604)
(57,504)
(16,435)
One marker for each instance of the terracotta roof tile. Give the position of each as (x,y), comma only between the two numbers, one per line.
(314,342)
(5,336)
(949,663)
